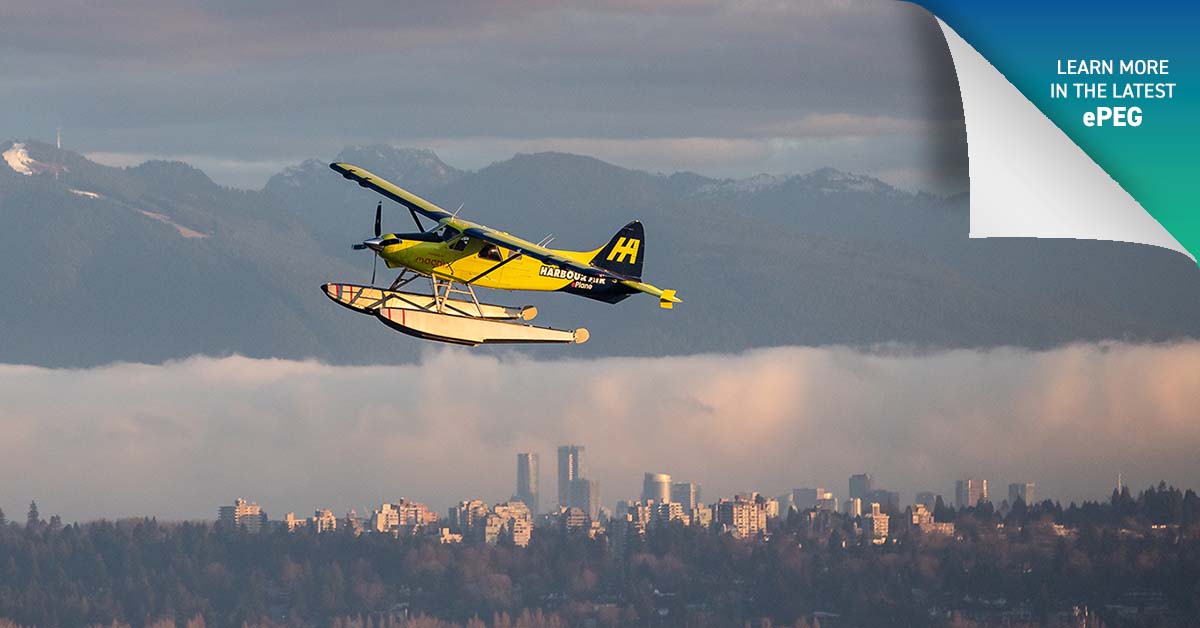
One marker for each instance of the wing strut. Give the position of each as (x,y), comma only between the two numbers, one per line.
(420,227)
(494,267)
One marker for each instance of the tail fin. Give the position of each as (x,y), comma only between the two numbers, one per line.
(624,252)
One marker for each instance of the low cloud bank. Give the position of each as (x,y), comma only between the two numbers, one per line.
(179,439)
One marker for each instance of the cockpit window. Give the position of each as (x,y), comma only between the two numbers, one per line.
(449,233)
(461,244)
(490,252)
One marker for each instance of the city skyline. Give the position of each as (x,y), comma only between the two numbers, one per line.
(211,428)
(655,486)
(663,482)
(744,515)
(663,485)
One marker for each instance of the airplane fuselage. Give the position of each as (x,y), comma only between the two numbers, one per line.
(470,260)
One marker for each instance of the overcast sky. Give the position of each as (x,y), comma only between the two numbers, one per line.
(724,88)
(180,439)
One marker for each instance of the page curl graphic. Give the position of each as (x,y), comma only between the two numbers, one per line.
(1028,178)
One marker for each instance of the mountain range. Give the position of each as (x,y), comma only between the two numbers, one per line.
(157,262)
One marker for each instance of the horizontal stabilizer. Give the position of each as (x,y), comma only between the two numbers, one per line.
(666,298)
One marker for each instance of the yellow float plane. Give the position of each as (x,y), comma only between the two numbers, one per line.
(457,255)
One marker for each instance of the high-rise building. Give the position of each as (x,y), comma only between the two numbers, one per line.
(638,515)
(686,493)
(572,519)
(889,501)
(242,514)
(656,487)
(876,525)
(666,512)
(324,521)
(529,481)
(1022,491)
(813,498)
(853,507)
(404,516)
(927,499)
(570,467)
(466,515)
(969,492)
(585,495)
(352,523)
(512,518)
(860,485)
(745,516)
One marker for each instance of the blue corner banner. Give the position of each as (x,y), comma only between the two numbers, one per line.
(1118,81)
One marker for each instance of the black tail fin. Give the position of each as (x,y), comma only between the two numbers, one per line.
(624,252)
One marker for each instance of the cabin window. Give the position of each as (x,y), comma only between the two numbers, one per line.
(491,252)
(461,244)
(449,233)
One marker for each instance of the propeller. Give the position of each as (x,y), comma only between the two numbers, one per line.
(378,232)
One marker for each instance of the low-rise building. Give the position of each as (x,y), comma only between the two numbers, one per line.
(446,537)
(921,518)
(292,523)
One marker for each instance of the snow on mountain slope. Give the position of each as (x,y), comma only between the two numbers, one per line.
(183,231)
(18,159)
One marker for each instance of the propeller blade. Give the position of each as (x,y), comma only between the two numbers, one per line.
(374,265)
(378,219)
(358,247)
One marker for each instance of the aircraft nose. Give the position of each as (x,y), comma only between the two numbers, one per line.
(375,244)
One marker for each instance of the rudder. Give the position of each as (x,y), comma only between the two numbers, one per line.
(624,252)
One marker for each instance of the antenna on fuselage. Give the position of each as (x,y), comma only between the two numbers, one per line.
(455,214)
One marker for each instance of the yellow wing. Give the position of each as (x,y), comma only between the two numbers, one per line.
(369,180)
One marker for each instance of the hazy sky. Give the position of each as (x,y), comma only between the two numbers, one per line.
(180,439)
(724,88)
